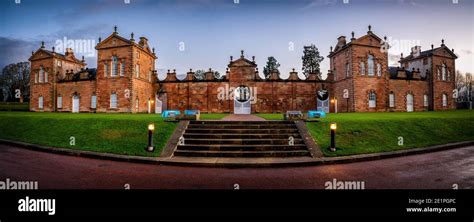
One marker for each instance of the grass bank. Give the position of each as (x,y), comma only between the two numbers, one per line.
(359,133)
(110,133)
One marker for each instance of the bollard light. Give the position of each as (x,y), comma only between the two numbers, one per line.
(333,127)
(151,128)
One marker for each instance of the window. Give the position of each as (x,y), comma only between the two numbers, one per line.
(379,69)
(45,76)
(449,75)
(425,61)
(122,69)
(372,100)
(136,103)
(41,74)
(443,72)
(59,63)
(94,102)
(149,75)
(438,73)
(137,70)
(391,100)
(425,100)
(40,102)
(138,55)
(370,64)
(106,69)
(362,68)
(36,77)
(114,66)
(348,70)
(445,100)
(113,101)
(60,102)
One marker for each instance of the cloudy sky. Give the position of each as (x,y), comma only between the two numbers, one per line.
(202,34)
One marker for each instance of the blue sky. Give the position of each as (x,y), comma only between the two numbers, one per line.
(213,30)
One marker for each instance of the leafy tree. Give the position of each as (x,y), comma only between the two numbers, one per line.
(217,75)
(311,60)
(271,67)
(200,74)
(15,77)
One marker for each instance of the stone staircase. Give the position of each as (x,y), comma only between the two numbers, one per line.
(242,139)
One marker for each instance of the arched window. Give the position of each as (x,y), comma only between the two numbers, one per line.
(438,73)
(60,102)
(137,70)
(361,68)
(372,100)
(445,100)
(106,69)
(379,69)
(449,75)
(93,101)
(114,66)
(348,70)
(113,101)
(122,69)
(41,74)
(370,64)
(443,72)
(425,100)
(40,102)
(391,100)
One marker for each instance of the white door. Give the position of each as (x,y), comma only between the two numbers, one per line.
(158,105)
(75,104)
(242,98)
(323,105)
(409,103)
(242,107)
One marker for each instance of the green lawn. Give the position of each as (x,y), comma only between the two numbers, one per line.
(379,132)
(127,133)
(213,116)
(14,106)
(111,133)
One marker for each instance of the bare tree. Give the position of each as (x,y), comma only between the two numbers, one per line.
(15,82)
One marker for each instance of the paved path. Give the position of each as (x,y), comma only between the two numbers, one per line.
(242,117)
(439,170)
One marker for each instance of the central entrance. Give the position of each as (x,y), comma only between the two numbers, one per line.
(242,98)
(322,100)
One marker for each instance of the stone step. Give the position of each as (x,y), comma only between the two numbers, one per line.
(241,131)
(240,136)
(214,122)
(194,153)
(251,126)
(242,147)
(242,141)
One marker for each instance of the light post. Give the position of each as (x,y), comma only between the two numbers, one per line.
(333,128)
(151,128)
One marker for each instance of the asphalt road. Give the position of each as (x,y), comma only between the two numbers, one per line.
(437,170)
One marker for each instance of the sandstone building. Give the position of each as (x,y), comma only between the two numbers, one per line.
(359,80)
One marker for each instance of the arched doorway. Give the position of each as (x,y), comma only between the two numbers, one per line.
(75,103)
(409,102)
(160,102)
(322,100)
(158,105)
(242,97)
